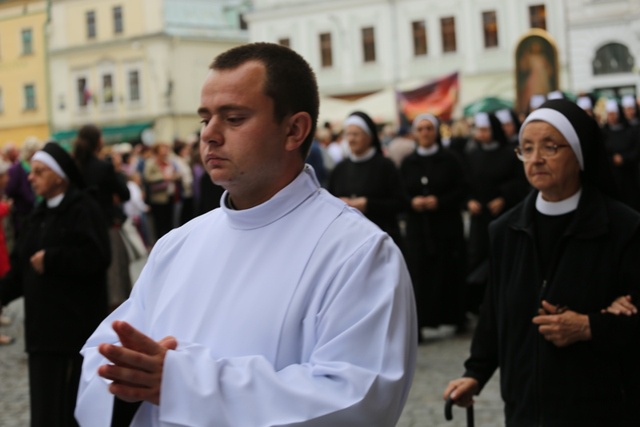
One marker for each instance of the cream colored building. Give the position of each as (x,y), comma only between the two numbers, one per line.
(604,46)
(135,65)
(23,69)
(368,48)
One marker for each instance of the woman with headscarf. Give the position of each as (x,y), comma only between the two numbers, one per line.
(435,249)
(496,184)
(557,260)
(367,180)
(59,265)
(623,153)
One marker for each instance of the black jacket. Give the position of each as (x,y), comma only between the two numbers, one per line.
(64,305)
(103,183)
(378,180)
(583,384)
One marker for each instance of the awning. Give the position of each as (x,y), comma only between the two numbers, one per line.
(110,134)
(488,104)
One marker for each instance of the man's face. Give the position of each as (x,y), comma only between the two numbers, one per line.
(242,146)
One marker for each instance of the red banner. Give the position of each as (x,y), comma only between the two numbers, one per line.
(437,97)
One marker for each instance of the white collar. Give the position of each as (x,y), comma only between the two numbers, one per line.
(283,202)
(55,201)
(428,151)
(363,158)
(558,208)
(490,146)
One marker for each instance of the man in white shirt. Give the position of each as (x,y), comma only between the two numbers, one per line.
(283,307)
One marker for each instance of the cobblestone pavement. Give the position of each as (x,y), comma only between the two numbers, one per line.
(439,361)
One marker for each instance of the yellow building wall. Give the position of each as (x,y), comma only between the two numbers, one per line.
(18,70)
(136,21)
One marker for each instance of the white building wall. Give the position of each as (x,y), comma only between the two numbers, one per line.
(483,72)
(593,24)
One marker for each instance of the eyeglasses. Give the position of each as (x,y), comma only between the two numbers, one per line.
(546,151)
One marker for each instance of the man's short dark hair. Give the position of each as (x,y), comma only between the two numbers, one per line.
(290,81)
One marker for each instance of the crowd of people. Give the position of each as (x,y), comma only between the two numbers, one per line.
(527,223)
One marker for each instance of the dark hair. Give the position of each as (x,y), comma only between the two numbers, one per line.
(85,145)
(290,81)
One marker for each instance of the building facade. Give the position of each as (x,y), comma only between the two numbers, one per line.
(135,65)
(23,69)
(604,46)
(366,48)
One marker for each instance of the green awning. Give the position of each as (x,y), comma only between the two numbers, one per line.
(488,104)
(110,134)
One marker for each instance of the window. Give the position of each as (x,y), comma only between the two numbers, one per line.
(326,52)
(242,22)
(490,25)
(27,41)
(448,29)
(613,58)
(134,86)
(107,88)
(117,20)
(82,92)
(29,97)
(91,24)
(419,30)
(538,16)
(368,44)
(284,42)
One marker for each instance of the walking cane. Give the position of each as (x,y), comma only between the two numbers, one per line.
(448,415)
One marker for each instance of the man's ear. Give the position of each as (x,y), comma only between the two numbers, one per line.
(298,129)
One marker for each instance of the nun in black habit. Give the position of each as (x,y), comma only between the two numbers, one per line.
(496,184)
(367,180)
(59,265)
(434,183)
(558,260)
(623,152)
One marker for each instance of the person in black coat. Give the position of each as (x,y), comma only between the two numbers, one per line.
(435,248)
(109,188)
(59,265)
(623,151)
(558,259)
(367,180)
(496,184)
(99,175)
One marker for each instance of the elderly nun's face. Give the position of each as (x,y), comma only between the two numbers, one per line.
(45,181)
(359,140)
(483,134)
(552,166)
(425,133)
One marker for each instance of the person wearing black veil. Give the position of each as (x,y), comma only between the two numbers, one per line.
(496,183)
(59,265)
(558,260)
(510,125)
(367,180)
(434,183)
(623,153)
